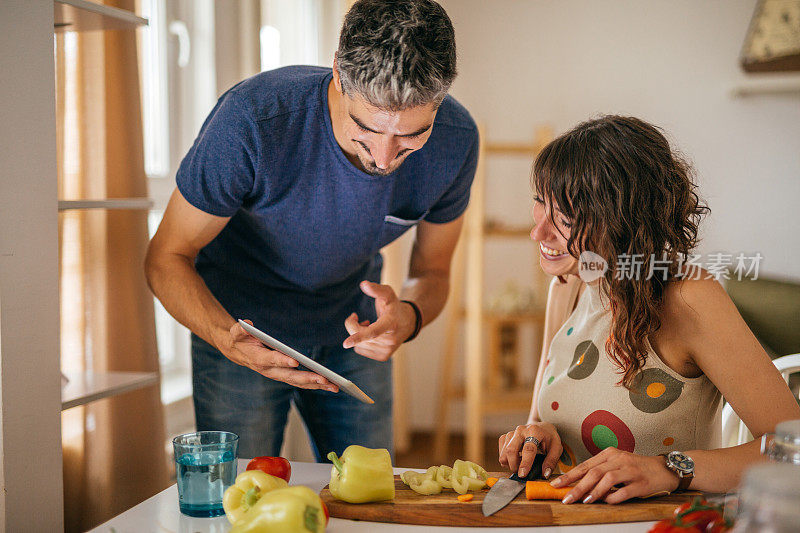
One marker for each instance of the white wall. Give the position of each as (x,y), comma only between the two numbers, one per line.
(524,63)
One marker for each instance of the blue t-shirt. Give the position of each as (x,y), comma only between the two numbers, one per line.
(307,225)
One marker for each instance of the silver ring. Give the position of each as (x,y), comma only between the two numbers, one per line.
(536,442)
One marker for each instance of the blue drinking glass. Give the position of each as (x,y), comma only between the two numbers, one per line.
(205,466)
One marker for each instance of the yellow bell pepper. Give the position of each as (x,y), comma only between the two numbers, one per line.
(362,475)
(247,490)
(295,509)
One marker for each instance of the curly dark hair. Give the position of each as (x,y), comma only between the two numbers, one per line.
(625,192)
(397,54)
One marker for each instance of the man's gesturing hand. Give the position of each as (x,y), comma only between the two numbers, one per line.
(396,322)
(245,350)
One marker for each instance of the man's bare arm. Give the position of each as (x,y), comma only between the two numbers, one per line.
(428,282)
(170,271)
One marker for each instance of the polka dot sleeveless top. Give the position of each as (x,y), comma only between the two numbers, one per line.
(663,411)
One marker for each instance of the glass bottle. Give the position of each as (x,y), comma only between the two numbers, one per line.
(769,500)
(783,446)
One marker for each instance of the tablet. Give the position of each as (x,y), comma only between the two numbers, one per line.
(344,384)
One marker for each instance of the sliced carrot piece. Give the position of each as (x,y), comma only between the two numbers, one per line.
(465,497)
(491,481)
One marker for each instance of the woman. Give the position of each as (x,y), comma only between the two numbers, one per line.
(637,358)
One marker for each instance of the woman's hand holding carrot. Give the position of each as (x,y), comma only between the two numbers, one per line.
(640,475)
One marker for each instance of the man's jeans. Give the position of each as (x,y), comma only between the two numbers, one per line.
(229,397)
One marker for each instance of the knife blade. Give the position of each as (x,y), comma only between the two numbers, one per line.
(506,489)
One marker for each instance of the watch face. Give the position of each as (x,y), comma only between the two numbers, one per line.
(681,462)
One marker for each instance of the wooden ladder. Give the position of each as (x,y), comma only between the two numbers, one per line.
(491,393)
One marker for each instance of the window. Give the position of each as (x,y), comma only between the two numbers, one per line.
(178,92)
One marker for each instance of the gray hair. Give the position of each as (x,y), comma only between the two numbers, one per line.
(397,54)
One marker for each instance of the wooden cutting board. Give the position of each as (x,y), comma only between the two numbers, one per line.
(444,509)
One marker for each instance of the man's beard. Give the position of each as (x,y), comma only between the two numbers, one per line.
(372,169)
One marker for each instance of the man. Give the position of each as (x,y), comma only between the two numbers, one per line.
(297,179)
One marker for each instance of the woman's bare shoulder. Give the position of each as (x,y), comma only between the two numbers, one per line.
(695,294)
(694,309)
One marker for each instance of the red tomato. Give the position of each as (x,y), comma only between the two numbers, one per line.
(701,519)
(698,501)
(682,508)
(717,526)
(668,526)
(274,466)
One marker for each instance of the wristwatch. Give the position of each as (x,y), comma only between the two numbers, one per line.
(683,467)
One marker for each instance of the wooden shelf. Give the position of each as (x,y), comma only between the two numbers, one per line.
(503,401)
(535,315)
(525,316)
(82,15)
(141,204)
(498,230)
(512,148)
(785,85)
(90,386)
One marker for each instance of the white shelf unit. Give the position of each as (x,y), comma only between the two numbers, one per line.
(143,204)
(87,387)
(82,15)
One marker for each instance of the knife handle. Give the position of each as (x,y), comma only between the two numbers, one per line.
(535,471)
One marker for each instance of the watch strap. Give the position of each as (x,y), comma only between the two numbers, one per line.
(685,481)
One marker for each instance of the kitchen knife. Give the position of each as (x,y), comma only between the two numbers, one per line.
(507,488)
(344,384)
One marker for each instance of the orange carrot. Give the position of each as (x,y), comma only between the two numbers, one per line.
(465,497)
(543,490)
(491,481)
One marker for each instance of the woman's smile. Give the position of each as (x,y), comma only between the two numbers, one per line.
(551,254)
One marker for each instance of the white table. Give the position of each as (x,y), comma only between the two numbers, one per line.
(160,514)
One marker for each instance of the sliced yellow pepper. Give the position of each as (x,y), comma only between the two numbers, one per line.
(247,490)
(296,509)
(444,476)
(465,484)
(407,475)
(468,469)
(463,477)
(422,483)
(468,476)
